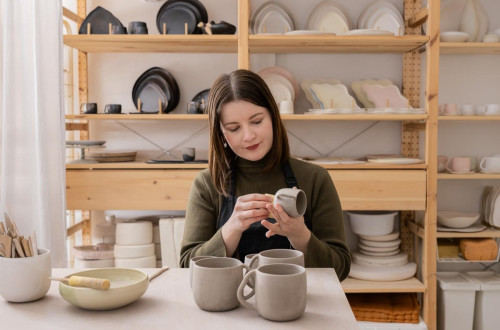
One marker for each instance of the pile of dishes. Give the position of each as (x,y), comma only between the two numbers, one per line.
(282,84)
(330,95)
(112,156)
(94,256)
(271,18)
(329,17)
(459,222)
(378,257)
(156,85)
(382,15)
(175,14)
(134,245)
(99,20)
(490,206)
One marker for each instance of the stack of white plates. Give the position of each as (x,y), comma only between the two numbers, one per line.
(94,256)
(271,18)
(329,17)
(282,84)
(490,206)
(380,259)
(134,246)
(382,15)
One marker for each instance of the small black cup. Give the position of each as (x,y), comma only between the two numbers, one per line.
(113,108)
(118,29)
(137,27)
(88,108)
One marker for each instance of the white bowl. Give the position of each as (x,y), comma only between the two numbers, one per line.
(97,263)
(372,222)
(134,251)
(454,36)
(134,233)
(144,262)
(454,219)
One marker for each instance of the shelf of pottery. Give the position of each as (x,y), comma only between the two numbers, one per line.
(278,32)
(468,215)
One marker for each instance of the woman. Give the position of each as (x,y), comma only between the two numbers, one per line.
(228,213)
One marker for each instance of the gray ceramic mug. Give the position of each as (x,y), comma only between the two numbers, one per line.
(191,265)
(280,291)
(292,200)
(277,256)
(215,282)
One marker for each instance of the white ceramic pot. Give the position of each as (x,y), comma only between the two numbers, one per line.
(372,222)
(134,251)
(134,233)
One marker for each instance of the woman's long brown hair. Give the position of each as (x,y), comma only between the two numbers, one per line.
(247,86)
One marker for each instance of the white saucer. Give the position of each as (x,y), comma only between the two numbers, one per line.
(367,32)
(381,238)
(366,248)
(377,273)
(398,161)
(472,229)
(399,259)
(386,244)
(452,172)
(454,36)
(379,254)
(489,172)
(307,33)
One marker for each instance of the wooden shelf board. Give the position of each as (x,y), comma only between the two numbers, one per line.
(469,118)
(471,176)
(152,43)
(297,117)
(334,44)
(479,48)
(490,232)
(143,165)
(352,285)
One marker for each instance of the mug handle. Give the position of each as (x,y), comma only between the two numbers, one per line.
(241,296)
(254,259)
(447,165)
(481,164)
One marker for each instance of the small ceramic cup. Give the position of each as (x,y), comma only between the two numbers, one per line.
(277,256)
(467,110)
(113,108)
(87,108)
(25,279)
(215,283)
(193,107)
(286,107)
(188,154)
(292,200)
(117,29)
(441,166)
(191,265)
(490,164)
(450,109)
(280,291)
(492,109)
(458,165)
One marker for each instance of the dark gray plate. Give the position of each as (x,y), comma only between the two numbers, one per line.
(99,20)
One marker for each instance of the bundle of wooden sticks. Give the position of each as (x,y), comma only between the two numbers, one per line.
(12,244)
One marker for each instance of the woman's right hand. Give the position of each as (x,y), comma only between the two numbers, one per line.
(249,209)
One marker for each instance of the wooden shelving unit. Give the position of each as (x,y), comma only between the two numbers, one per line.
(470,176)
(469,118)
(365,186)
(482,234)
(478,48)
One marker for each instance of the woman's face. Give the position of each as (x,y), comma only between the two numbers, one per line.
(247,128)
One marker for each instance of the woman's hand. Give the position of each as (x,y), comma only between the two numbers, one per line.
(249,209)
(294,229)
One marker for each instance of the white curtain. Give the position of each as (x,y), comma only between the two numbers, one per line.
(32,175)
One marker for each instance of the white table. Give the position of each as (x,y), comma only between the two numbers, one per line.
(168,304)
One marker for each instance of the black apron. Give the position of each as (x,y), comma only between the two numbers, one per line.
(254,240)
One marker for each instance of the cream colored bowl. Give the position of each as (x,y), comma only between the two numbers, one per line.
(454,219)
(127,285)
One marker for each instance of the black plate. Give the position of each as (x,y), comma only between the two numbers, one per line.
(149,92)
(99,20)
(173,88)
(159,81)
(200,13)
(155,161)
(202,95)
(175,17)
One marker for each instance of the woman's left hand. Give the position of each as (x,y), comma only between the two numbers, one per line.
(293,228)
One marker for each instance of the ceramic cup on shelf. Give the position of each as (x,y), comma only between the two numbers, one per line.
(113,108)
(137,27)
(490,164)
(441,166)
(25,279)
(188,154)
(117,29)
(215,283)
(492,109)
(280,291)
(450,109)
(467,110)
(87,108)
(292,200)
(277,256)
(458,165)
(194,108)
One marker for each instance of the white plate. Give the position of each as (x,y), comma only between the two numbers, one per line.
(375,9)
(399,259)
(381,238)
(367,32)
(469,21)
(388,244)
(85,143)
(377,273)
(282,72)
(453,172)
(277,78)
(379,254)
(454,36)
(451,10)
(454,219)
(307,33)
(334,111)
(386,20)
(329,15)
(127,285)
(495,211)
(472,229)
(399,111)
(337,161)
(271,6)
(280,91)
(366,248)
(273,22)
(399,161)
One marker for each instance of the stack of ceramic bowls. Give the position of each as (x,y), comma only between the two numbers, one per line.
(94,256)
(156,241)
(134,246)
(378,257)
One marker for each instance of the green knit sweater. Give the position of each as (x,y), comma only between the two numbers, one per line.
(326,248)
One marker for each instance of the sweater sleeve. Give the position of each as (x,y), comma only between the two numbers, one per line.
(200,235)
(327,246)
